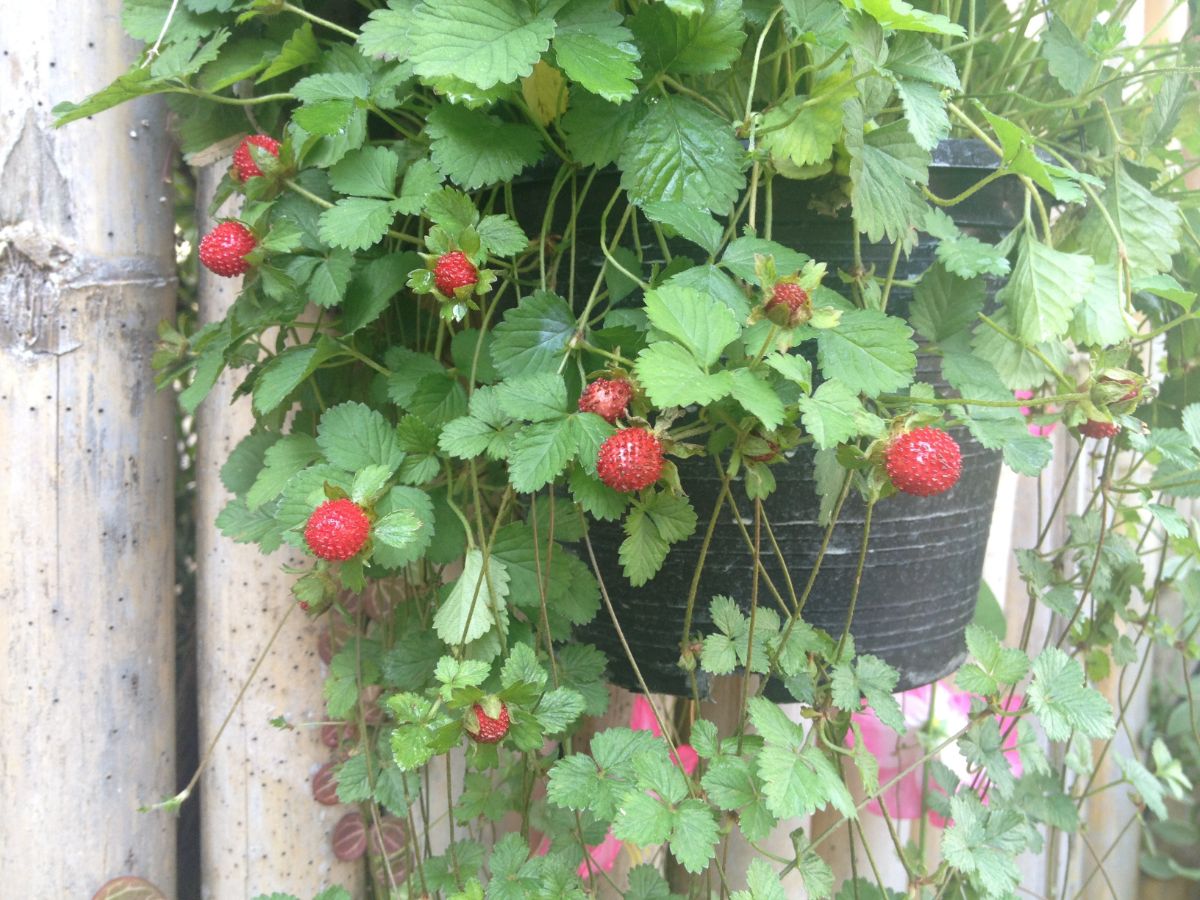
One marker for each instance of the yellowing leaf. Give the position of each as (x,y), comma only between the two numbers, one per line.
(545,91)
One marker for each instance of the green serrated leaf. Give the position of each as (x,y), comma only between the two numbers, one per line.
(595,49)
(681,151)
(473,148)
(1063,702)
(471,609)
(483,42)
(1045,288)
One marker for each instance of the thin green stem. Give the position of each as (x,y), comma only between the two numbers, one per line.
(317,20)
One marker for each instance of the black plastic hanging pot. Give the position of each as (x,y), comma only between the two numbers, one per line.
(925,555)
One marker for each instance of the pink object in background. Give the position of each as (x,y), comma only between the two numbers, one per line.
(950,709)
(1036,429)
(642,719)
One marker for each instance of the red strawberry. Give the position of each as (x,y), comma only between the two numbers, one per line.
(606,398)
(1094,428)
(489,730)
(924,462)
(454,270)
(244,163)
(630,460)
(788,305)
(223,250)
(337,530)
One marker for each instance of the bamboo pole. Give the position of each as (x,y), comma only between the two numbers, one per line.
(88,448)
(261,830)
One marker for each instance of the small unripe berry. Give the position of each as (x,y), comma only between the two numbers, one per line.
(789,305)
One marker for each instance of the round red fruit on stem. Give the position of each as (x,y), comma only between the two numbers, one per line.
(488,728)
(223,250)
(924,462)
(630,460)
(607,398)
(243,161)
(337,530)
(454,270)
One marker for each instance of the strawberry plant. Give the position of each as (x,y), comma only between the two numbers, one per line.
(523,279)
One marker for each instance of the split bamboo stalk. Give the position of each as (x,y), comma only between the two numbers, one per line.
(87,643)
(261,830)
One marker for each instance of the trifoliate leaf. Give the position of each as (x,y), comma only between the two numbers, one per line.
(874,680)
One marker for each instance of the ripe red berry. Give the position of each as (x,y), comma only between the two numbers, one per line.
(606,398)
(223,250)
(490,731)
(1094,428)
(243,162)
(788,304)
(454,270)
(630,460)
(337,530)
(924,462)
